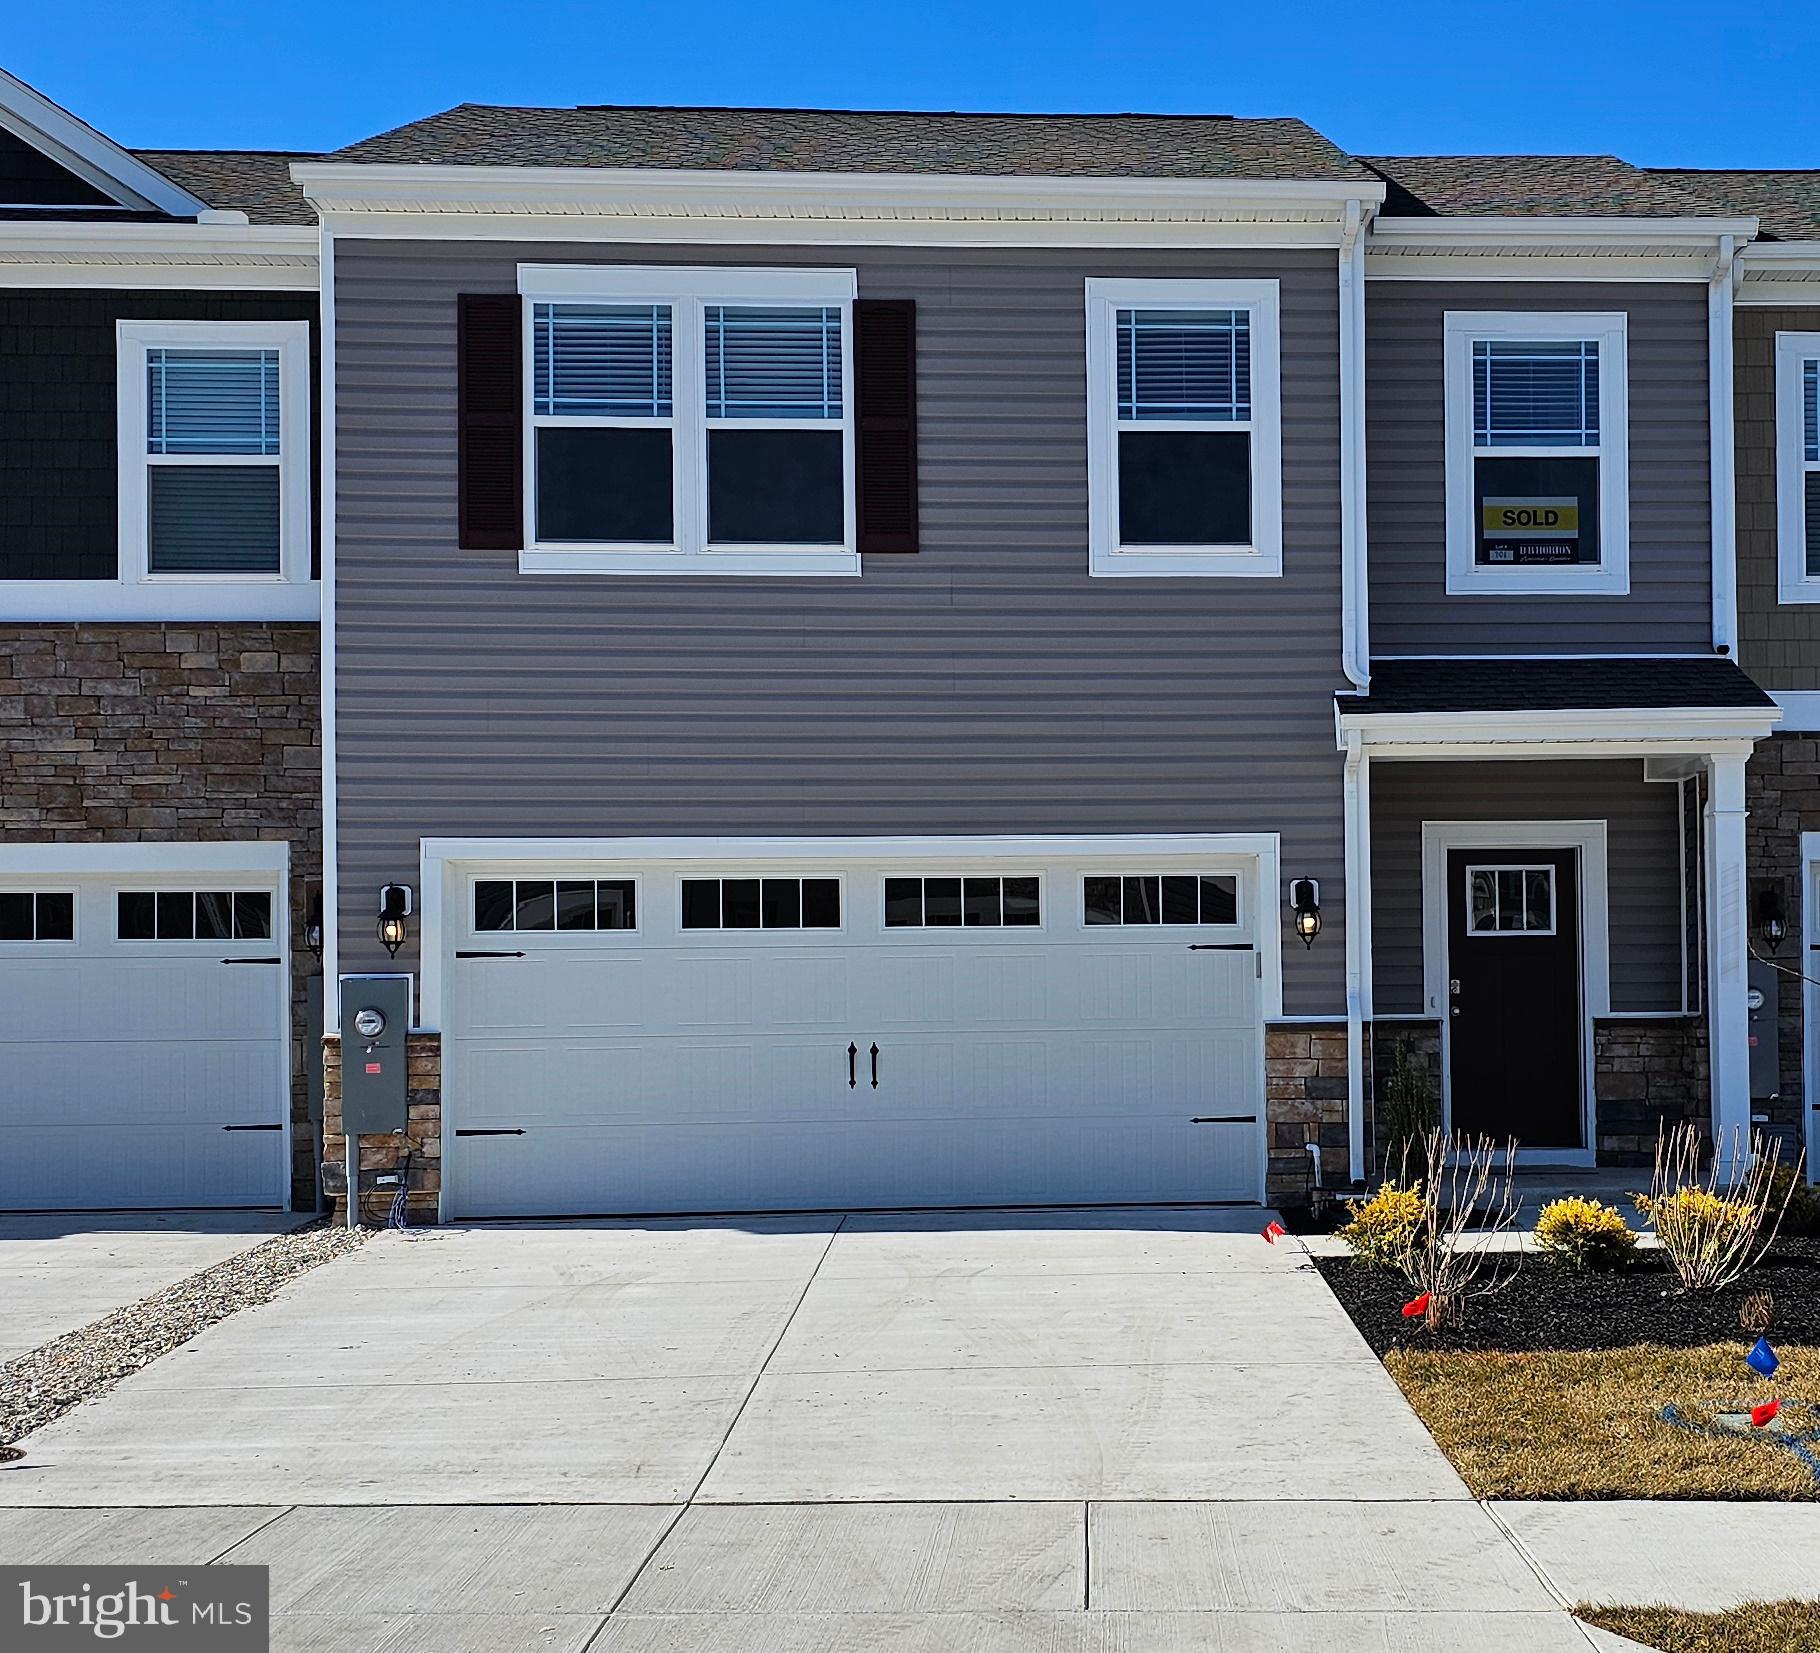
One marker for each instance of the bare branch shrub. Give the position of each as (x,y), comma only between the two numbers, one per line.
(1464,1191)
(1712,1229)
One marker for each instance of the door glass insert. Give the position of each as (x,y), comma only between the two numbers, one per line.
(1510,901)
(1171,898)
(990,903)
(761,903)
(555,904)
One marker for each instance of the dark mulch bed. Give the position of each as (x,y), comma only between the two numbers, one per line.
(1547,1307)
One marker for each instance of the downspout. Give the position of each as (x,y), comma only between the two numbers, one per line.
(1357,802)
(1719,292)
(1355,641)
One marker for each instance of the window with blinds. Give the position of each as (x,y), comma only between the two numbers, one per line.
(1536,429)
(1183,381)
(1810,465)
(692,423)
(213,444)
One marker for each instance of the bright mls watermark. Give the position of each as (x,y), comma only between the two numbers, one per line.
(146,1609)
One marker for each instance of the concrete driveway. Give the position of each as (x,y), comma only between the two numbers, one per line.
(1058,1431)
(60,1270)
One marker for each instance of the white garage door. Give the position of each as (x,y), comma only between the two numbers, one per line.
(741,1038)
(143,1046)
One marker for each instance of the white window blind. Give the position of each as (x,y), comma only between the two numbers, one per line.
(1190,365)
(1535,393)
(1810,409)
(212,401)
(602,361)
(773,363)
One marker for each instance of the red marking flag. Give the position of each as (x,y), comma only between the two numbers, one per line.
(1760,1416)
(1271,1230)
(1416,1307)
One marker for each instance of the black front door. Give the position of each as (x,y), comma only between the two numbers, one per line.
(1513,994)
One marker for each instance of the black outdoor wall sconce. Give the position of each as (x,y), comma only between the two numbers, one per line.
(1305,906)
(394,909)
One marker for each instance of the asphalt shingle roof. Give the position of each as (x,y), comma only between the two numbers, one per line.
(1534,186)
(1641,682)
(876,141)
(1786,202)
(254,181)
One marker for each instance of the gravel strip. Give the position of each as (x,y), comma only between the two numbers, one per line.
(48,1381)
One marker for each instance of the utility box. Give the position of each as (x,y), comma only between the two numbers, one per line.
(375,1017)
(1763,995)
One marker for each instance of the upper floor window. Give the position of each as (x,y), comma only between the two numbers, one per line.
(1798,466)
(214,451)
(1184,452)
(690,421)
(1538,481)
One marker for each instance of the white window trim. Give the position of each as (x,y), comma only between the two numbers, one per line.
(1793,582)
(291,339)
(688,292)
(1610,577)
(1263,558)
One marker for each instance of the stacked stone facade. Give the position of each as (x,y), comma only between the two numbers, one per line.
(1783,796)
(1647,1074)
(418,1152)
(1304,1102)
(154,732)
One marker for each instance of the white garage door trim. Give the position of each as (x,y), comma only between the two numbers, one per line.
(268,862)
(449,864)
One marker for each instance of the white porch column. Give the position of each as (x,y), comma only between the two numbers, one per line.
(1727,954)
(1357,804)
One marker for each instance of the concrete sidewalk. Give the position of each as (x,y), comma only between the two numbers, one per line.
(60,1270)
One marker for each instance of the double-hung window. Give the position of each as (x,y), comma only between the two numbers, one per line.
(1184,447)
(1798,466)
(214,451)
(689,421)
(1538,481)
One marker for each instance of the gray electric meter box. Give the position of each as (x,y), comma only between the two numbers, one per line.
(375,1017)
(1762,998)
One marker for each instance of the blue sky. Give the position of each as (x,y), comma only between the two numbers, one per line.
(1669,83)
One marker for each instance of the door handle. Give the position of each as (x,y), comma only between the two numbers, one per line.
(852,1058)
(875,1066)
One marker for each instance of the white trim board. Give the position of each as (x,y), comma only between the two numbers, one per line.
(1588,838)
(223,855)
(1800,710)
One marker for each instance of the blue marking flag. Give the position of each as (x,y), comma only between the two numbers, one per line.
(1762,1358)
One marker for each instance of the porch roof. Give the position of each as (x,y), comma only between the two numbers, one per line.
(1618,683)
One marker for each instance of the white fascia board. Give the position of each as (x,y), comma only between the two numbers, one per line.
(1583,233)
(39,254)
(1779,272)
(214,856)
(598,203)
(1800,710)
(869,850)
(1695,725)
(98,160)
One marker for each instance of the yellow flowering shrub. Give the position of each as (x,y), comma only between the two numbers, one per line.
(1584,1234)
(1383,1227)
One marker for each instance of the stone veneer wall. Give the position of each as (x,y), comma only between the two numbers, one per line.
(160,732)
(1783,795)
(1646,1073)
(421,1142)
(1305,1101)
(1424,1040)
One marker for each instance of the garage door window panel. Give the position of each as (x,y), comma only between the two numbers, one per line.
(761,904)
(193,915)
(37,915)
(966,902)
(1199,899)
(554,904)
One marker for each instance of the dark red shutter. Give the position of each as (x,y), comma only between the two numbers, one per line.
(489,398)
(884,364)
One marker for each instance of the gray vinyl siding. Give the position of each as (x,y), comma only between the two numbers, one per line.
(1778,643)
(1669,608)
(986,685)
(1642,849)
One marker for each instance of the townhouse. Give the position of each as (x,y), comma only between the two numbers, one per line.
(921,660)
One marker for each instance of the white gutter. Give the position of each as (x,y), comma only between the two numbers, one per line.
(1357,809)
(331,925)
(1719,292)
(1355,594)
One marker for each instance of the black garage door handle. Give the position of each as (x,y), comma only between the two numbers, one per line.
(252,1127)
(253,961)
(1226,1119)
(510,1132)
(486,955)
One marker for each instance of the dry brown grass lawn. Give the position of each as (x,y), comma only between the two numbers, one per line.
(1589,1425)
(1756,1627)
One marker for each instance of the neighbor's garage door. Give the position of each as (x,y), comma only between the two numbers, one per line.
(724,1039)
(143,1055)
